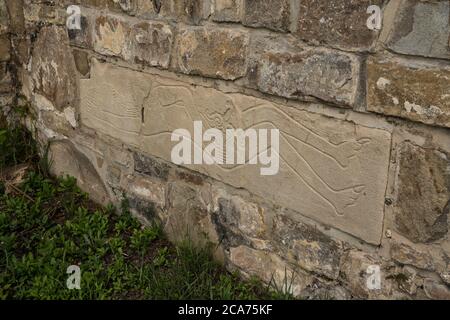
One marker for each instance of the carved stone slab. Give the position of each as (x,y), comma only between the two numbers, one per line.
(331,170)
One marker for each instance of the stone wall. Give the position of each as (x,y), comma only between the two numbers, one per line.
(364,120)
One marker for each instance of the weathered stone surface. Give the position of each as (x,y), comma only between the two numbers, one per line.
(236,217)
(81,61)
(324,74)
(435,290)
(412,90)
(421,28)
(423,200)
(188,216)
(309,248)
(407,255)
(147,189)
(271,268)
(339,168)
(6,82)
(16,16)
(53,68)
(227,10)
(5,47)
(4,17)
(41,13)
(271,14)
(340,23)
(110,35)
(354,272)
(67,160)
(190,11)
(151,167)
(149,43)
(212,52)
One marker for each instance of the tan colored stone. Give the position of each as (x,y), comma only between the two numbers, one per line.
(5,47)
(149,43)
(212,52)
(412,90)
(53,68)
(332,170)
(227,10)
(110,35)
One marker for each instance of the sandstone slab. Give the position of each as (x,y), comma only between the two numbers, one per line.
(412,90)
(331,170)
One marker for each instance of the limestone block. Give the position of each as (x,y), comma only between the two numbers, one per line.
(332,170)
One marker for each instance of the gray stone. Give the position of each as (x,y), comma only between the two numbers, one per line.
(422,28)
(324,74)
(149,43)
(271,14)
(53,68)
(435,290)
(65,160)
(423,201)
(309,248)
(407,255)
(339,23)
(150,166)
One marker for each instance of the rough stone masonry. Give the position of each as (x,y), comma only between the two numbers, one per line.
(363,114)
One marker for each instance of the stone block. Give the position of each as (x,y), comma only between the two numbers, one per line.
(227,10)
(271,14)
(338,23)
(421,28)
(53,68)
(408,89)
(324,74)
(423,193)
(332,170)
(211,52)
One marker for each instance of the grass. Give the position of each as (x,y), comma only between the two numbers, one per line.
(48,224)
